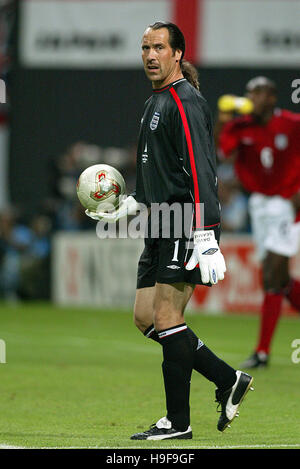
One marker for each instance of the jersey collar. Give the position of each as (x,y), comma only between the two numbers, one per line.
(165,88)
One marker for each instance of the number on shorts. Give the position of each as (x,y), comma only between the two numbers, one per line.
(176,248)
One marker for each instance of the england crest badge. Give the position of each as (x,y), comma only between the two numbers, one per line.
(281,141)
(154,121)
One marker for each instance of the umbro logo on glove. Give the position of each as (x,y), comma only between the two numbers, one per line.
(207,254)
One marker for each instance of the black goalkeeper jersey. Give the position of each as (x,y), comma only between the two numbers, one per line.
(176,158)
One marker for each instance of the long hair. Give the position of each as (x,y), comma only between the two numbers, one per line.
(190,73)
(177,42)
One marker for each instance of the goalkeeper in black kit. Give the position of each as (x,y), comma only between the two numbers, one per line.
(176,166)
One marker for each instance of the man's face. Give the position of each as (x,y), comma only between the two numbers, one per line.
(263,100)
(158,57)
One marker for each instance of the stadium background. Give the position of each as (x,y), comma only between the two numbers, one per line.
(75,94)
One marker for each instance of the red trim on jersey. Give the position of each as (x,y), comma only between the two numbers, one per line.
(191,155)
(210,226)
(196,266)
(160,89)
(185,16)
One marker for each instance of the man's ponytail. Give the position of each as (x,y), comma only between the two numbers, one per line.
(190,73)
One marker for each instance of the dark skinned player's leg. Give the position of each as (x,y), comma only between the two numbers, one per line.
(275,280)
(292,293)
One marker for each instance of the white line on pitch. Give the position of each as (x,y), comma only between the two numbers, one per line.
(296,445)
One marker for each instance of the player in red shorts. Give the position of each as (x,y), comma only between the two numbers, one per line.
(265,149)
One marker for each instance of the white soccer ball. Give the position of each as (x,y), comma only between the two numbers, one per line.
(100,187)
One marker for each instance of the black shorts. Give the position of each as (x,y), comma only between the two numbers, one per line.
(163,260)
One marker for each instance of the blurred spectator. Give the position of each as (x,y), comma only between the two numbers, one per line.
(234,203)
(63,204)
(68,166)
(70,216)
(35,261)
(14,240)
(7,19)
(24,257)
(67,213)
(130,175)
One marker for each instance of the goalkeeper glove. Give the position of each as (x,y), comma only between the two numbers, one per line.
(128,206)
(207,254)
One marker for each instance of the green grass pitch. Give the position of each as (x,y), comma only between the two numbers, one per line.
(86,378)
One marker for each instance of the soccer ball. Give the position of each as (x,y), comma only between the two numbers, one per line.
(100,187)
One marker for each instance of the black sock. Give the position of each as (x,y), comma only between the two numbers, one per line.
(204,361)
(177,369)
(151,333)
(210,366)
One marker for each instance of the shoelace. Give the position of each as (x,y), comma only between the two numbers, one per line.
(151,428)
(218,407)
(219,396)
